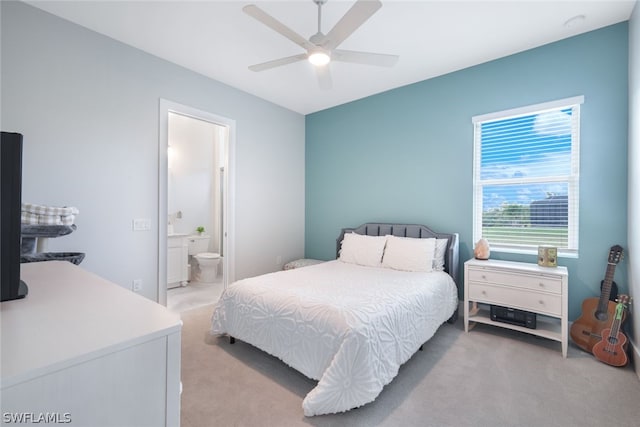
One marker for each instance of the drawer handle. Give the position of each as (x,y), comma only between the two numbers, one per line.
(484,292)
(541,302)
(541,284)
(484,277)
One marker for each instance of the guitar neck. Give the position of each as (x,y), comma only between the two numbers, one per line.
(615,327)
(606,287)
(617,320)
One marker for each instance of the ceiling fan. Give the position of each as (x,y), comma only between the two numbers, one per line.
(322,48)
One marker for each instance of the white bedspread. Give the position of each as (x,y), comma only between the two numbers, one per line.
(347,326)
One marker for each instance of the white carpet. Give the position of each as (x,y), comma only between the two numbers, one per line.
(194,295)
(488,377)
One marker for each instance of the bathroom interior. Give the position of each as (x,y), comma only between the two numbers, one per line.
(195,195)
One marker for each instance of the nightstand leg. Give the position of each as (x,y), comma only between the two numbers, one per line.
(474,309)
(470,312)
(466,316)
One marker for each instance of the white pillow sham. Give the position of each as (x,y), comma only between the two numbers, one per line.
(440,252)
(362,250)
(409,254)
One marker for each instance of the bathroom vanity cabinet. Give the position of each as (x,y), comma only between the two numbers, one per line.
(177,260)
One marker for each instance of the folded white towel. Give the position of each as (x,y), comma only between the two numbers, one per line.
(29,218)
(48,215)
(49,210)
(67,219)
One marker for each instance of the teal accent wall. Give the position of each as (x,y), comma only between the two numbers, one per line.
(406,155)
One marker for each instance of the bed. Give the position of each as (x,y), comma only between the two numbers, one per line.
(349,323)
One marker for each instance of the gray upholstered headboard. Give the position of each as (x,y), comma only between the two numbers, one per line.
(410,230)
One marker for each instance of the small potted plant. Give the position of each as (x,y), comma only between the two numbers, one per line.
(200,230)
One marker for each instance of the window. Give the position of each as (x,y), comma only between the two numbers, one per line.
(525,178)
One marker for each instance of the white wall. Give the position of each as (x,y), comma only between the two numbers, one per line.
(88,107)
(634,179)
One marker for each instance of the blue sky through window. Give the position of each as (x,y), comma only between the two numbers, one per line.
(529,146)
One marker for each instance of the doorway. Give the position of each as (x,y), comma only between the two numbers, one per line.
(196,204)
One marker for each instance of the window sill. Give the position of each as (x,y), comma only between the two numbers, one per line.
(562,253)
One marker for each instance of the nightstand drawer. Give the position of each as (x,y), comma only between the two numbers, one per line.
(528,281)
(516,298)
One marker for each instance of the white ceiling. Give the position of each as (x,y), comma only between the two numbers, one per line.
(435,37)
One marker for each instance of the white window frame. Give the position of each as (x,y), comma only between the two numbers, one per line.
(572,179)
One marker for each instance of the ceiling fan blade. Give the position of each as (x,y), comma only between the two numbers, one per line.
(278,62)
(351,21)
(368,58)
(324,77)
(277,26)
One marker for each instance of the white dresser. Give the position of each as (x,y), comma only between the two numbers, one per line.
(522,286)
(83,351)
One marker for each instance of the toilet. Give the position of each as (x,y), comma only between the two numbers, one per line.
(206,263)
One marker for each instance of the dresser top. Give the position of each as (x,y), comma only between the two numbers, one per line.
(517,266)
(69,316)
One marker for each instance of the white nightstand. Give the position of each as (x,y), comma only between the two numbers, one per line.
(522,286)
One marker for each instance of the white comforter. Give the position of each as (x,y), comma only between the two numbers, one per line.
(347,326)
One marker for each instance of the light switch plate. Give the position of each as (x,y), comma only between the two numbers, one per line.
(141,224)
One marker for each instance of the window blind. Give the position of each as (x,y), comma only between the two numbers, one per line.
(526,177)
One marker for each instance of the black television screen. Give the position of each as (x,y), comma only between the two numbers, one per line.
(10,206)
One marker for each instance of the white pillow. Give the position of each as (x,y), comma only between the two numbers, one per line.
(438,257)
(409,254)
(362,250)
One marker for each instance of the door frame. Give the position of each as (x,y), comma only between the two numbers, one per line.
(228,208)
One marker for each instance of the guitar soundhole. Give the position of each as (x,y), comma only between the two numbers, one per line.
(613,340)
(601,315)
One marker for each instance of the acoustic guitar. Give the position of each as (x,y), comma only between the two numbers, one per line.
(612,348)
(597,313)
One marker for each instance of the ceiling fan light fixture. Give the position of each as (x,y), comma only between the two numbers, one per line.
(319,58)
